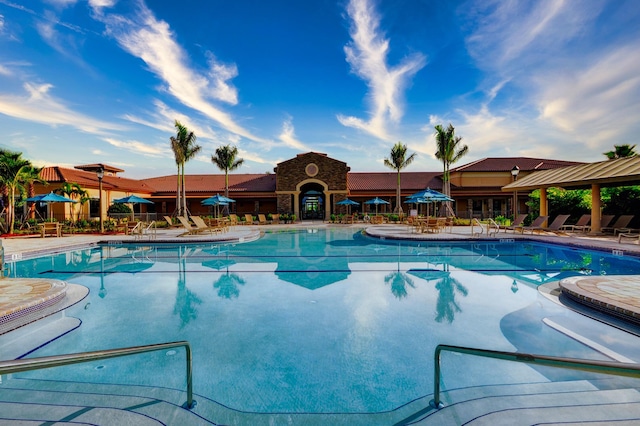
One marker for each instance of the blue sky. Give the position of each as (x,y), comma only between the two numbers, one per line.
(103,80)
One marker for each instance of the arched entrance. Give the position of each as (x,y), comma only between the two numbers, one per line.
(312,201)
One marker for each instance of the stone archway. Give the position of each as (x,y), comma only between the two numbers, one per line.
(313,202)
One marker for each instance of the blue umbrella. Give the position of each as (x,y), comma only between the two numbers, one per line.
(430,195)
(347,202)
(132,199)
(50,198)
(377,201)
(217,200)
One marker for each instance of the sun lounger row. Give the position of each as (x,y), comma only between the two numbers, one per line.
(582,225)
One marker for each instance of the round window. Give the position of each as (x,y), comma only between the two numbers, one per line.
(311,169)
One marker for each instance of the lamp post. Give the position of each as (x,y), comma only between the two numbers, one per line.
(100,174)
(514,173)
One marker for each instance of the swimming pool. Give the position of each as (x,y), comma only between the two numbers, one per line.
(318,321)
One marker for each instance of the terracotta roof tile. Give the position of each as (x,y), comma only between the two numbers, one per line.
(386,181)
(90,180)
(214,183)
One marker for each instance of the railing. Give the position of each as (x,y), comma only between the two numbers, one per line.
(606,367)
(20,365)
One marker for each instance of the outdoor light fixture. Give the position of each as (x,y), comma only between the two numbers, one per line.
(100,174)
(514,173)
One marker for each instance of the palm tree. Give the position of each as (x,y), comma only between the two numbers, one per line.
(73,191)
(225,159)
(184,149)
(449,150)
(398,160)
(621,151)
(16,174)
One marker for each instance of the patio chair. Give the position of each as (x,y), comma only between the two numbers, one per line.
(233,219)
(262,220)
(554,227)
(248,219)
(536,224)
(634,235)
(606,219)
(620,225)
(170,222)
(190,229)
(275,218)
(201,225)
(518,223)
(581,225)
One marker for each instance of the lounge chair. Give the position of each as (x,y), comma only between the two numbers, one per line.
(634,235)
(621,225)
(581,225)
(605,220)
(518,223)
(170,222)
(200,224)
(275,218)
(248,219)
(554,227)
(190,229)
(536,224)
(262,220)
(233,219)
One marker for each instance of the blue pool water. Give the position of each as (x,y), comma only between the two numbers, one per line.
(324,320)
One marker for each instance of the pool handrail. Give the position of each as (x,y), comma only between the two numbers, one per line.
(606,367)
(28,364)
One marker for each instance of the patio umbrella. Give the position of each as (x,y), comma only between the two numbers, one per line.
(377,201)
(50,198)
(132,199)
(347,202)
(428,196)
(217,200)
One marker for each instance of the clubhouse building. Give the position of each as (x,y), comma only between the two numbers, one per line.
(309,185)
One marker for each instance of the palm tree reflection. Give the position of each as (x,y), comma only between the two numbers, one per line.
(227,285)
(186,300)
(446,306)
(399,280)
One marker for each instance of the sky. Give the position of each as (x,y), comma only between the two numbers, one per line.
(103,81)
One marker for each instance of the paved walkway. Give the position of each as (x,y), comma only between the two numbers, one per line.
(616,295)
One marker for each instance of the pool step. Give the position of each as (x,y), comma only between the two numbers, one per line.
(23,401)
(26,400)
(550,405)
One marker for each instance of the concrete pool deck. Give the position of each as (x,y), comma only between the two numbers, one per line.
(620,297)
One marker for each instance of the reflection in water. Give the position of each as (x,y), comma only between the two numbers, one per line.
(446,306)
(186,300)
(227,285)
(399,281)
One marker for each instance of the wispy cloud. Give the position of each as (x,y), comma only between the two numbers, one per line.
(39,106)
(137,147)
(367,54)
(151,40)
(288,136)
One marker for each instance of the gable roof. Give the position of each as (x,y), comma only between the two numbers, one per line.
(505,164)
(86,179)
(608,172)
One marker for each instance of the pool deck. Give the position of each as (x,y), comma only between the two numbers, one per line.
(619,296)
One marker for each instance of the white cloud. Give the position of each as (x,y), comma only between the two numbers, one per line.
(367,55)
(157,150)
(288,136)
(98,4)
(40,107)
(152,41)
(597,103)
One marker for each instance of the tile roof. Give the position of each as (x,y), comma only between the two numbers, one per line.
(95,166)
(214,183)
(57,174)
(387,181)
(504,164)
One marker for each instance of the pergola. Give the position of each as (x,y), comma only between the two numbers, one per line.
(620,172)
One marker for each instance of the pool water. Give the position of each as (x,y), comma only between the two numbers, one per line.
(324,320)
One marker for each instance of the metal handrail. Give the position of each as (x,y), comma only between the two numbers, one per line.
(606,367)
(20,365)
